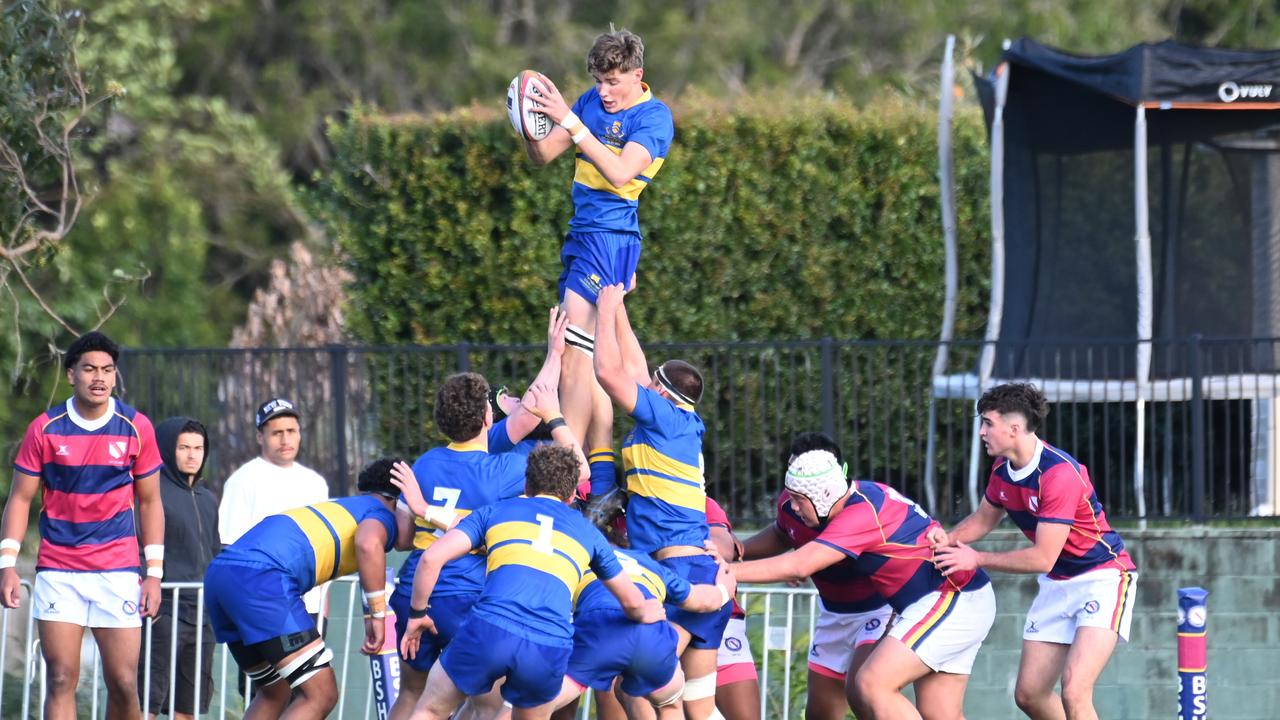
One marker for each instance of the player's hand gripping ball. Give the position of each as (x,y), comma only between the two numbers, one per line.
(522,96)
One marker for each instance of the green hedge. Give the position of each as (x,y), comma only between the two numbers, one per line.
(822,221)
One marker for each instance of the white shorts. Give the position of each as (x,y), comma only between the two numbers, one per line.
(837,635)
(1099,598)
(733,660)
(88,599)
(945,629)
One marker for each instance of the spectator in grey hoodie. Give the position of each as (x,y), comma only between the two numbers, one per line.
(190,540)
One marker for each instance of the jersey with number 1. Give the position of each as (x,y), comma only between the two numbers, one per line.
(885,534)
(538,551)
(462,478)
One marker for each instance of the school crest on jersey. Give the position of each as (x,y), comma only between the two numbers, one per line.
(614,135)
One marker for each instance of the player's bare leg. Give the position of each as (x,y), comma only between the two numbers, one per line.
(577,374)
(879,682)
(268,701)
(1041,665)
(697,664)
(60,645)
(1086,659)
(940,696)
(440,697)
(119,649)
(412,683)
(489,706)
(829,698)
(741,700)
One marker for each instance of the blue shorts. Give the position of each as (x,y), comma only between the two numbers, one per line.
(592,260)
(250,603)
(706,628)
(607,644)
(446,612)
(482,652)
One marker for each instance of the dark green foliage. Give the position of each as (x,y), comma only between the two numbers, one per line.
(821,222)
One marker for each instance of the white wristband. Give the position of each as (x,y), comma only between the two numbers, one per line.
(724,594)
(378,615)
(10,544)
(581,135)
(8,561)
(375,594)
(153,552)
(155,572)
(570,121)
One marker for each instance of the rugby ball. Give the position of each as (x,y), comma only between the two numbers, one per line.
(527,122)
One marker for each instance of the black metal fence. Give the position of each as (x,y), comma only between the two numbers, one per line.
(1208,419)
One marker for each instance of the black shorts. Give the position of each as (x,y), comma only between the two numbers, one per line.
(185,679)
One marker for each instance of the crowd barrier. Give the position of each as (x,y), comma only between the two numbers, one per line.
(780,622)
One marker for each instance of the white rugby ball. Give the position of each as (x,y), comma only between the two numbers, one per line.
(527,122)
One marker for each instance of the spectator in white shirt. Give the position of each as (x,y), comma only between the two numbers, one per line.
(272,482)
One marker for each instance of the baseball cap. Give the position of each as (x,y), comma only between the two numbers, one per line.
(274,408)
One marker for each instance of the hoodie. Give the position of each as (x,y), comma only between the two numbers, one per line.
(190,522)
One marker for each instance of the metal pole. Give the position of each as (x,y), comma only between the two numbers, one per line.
(1142,359)
(828,387)
(1197,432)
(996,312)
(338,384)
(1192,655)
(947,192)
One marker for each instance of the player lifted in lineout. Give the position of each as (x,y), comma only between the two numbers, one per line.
(622,134)
(667,506)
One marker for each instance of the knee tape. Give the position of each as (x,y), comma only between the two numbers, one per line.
(306,665)
(700,688)
(675,697)
(575,336)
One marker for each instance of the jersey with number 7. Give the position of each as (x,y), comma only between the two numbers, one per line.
(539,549)
(461,478)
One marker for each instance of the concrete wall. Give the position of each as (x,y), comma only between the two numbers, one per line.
(1241,570)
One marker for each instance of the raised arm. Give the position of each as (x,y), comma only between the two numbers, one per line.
(609,366)
(617,169)
(544,402)
(522,421)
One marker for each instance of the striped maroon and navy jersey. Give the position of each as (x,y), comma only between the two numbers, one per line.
(843,587)
(1057,489)
(884,534)
(87,470)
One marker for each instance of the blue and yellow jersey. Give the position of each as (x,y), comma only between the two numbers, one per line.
(598,205)
(539,549)
(313,544)
(662,459)
(462,478)
(654,581)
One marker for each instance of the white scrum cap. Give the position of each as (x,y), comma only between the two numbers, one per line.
(818,476)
